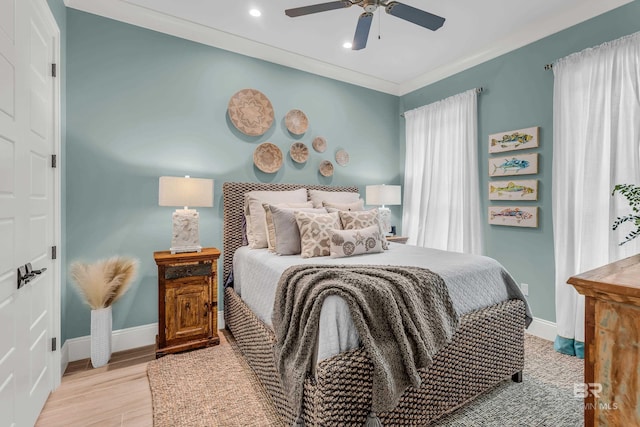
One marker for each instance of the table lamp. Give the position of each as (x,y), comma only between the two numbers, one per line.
(382,195)
(186,192)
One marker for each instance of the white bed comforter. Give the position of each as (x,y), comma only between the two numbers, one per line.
(474,282)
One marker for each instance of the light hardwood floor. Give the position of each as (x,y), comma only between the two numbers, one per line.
(114,395)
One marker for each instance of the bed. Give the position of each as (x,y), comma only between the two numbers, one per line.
(487,348)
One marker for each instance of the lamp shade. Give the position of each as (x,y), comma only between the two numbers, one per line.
(383,195)
(182,191)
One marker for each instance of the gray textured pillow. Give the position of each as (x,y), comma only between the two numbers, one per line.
(346,243)
(283,234)
(319,196)
(334,207)
(254,212)
(315,232)
(361,219)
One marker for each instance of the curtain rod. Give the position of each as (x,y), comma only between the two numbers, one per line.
(548,67)
(479,90)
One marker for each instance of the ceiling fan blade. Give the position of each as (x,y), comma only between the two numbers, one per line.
(362,31)
(315,8)
(417,16)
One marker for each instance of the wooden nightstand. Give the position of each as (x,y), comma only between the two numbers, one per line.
(397,239)
(187,300)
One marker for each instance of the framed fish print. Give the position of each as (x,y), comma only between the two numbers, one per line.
(514,164)
(526,189)
(514,216)
(520,139)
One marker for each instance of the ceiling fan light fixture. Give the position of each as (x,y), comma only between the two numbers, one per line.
(255,12)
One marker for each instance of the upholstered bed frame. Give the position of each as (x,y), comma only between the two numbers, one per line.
(487,349)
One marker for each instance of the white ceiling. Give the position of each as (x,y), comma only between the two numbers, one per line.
(404,58)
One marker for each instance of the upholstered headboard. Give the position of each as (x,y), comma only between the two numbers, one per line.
(233,203)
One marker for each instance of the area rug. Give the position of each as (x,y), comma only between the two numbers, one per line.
(216,387)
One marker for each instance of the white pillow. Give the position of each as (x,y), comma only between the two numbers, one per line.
(314,232)
(283,235)
(255,216)
(319,196)
(346,243)
(334,207)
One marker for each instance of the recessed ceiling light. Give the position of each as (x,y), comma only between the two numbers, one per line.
(255,12)
(347,45)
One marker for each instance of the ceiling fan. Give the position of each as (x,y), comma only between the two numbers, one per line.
(399,10)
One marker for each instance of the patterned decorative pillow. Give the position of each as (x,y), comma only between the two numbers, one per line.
(355,242)
(283,234)
(335,207)
(319,196)
(255,216)
(315,232)
(352,220)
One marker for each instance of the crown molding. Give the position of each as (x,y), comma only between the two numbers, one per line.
(531,33)
(129,13)
(153,20)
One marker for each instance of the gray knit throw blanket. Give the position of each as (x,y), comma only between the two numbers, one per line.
(403,316)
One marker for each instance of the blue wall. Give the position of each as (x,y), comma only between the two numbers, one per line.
(519,94)
(143,104)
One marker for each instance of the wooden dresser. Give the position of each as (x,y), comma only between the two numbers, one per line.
(187,300)
(612,343)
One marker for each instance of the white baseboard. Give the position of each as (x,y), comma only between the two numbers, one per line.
(122,339)
(543,329)
(64,357)
(221,324)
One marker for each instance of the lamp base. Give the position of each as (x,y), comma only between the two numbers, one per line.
(186,234)
(385,219)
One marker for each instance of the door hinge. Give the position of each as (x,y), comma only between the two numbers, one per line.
(54,344)
(54,161)
(54,252)
(54,70)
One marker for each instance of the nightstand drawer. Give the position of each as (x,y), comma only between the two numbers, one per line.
(190,270)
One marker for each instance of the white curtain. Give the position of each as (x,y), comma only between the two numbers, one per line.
(441,207)
(596,145)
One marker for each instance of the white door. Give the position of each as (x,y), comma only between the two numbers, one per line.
(27,209)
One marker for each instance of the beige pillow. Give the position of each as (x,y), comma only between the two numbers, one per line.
(355,242)
(319,196)
(352,220)
(255,216)
(334,207)
(315,232)
(283,235)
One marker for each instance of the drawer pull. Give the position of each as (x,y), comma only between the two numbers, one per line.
(187,306)
(206,309)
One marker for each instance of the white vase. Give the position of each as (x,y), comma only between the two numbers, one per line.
(101,336)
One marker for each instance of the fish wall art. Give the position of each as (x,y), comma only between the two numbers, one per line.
(520,139)
(514,164)
(514,216)
(526,189)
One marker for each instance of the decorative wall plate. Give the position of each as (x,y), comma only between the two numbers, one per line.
(250,112)
(296,121)
(299,152)
(319,144)
(342,157)
(267,157)
(326,168)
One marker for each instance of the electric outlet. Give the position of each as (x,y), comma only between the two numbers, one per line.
(524,287)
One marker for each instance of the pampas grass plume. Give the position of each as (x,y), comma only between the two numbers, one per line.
(103,282)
